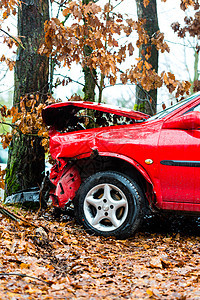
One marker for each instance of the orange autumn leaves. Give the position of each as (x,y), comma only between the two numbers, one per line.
(59,260)
(26,120)
(100,30)
(8,7)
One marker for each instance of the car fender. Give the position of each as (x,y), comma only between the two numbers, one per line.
(120,156)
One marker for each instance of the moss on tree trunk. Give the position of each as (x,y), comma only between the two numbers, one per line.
(26,155)
(26,164)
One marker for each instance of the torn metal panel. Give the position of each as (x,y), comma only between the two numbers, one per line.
(54,113)
(66,181)
(31,196)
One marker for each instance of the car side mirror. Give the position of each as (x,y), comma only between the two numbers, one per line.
(188,121)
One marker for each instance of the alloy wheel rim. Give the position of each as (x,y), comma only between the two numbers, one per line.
(105,207)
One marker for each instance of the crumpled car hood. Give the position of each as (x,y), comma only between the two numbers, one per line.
(53,112)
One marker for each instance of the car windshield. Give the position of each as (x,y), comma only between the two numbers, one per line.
(165,112)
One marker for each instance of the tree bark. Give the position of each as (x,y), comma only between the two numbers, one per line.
(89,80)
(89,74)
(145,103)
(26,155)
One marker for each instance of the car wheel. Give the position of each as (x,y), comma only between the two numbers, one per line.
(109,204)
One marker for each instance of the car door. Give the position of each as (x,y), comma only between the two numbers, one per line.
(179,165)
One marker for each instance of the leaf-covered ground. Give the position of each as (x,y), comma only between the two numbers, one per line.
(59,260)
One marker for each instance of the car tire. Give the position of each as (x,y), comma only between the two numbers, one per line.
(110,204)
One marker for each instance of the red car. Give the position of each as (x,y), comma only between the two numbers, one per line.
(113,163)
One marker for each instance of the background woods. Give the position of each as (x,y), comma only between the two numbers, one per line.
(98,47)
(86,34)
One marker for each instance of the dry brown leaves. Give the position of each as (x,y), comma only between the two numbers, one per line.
(186,3)
(9,62)
(158,41)
(64,262)
(99,29)
(8,7)
(25,119)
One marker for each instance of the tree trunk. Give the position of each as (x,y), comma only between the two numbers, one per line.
(89,75)
(89,80)
(26,155)
(147,102)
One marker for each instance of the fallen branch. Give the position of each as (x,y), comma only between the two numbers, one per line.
(18,218)
(24,275)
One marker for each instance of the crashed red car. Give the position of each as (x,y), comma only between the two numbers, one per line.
(113,163)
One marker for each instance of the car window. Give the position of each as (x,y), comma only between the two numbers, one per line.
(88,118)
(170,109)
(196,108)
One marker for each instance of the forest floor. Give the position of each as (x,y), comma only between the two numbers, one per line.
(56,259)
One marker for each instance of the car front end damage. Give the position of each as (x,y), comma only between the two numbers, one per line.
(65,181)
(113,163)
(76,133)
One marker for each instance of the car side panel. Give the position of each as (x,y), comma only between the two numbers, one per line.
(134,143)
(179,166)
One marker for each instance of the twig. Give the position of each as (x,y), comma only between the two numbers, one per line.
(24,275)
(69,79)
(6,213)
(6,71)
(12,37)
(12,125)
(16,217)
(7,90)
(116,5)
